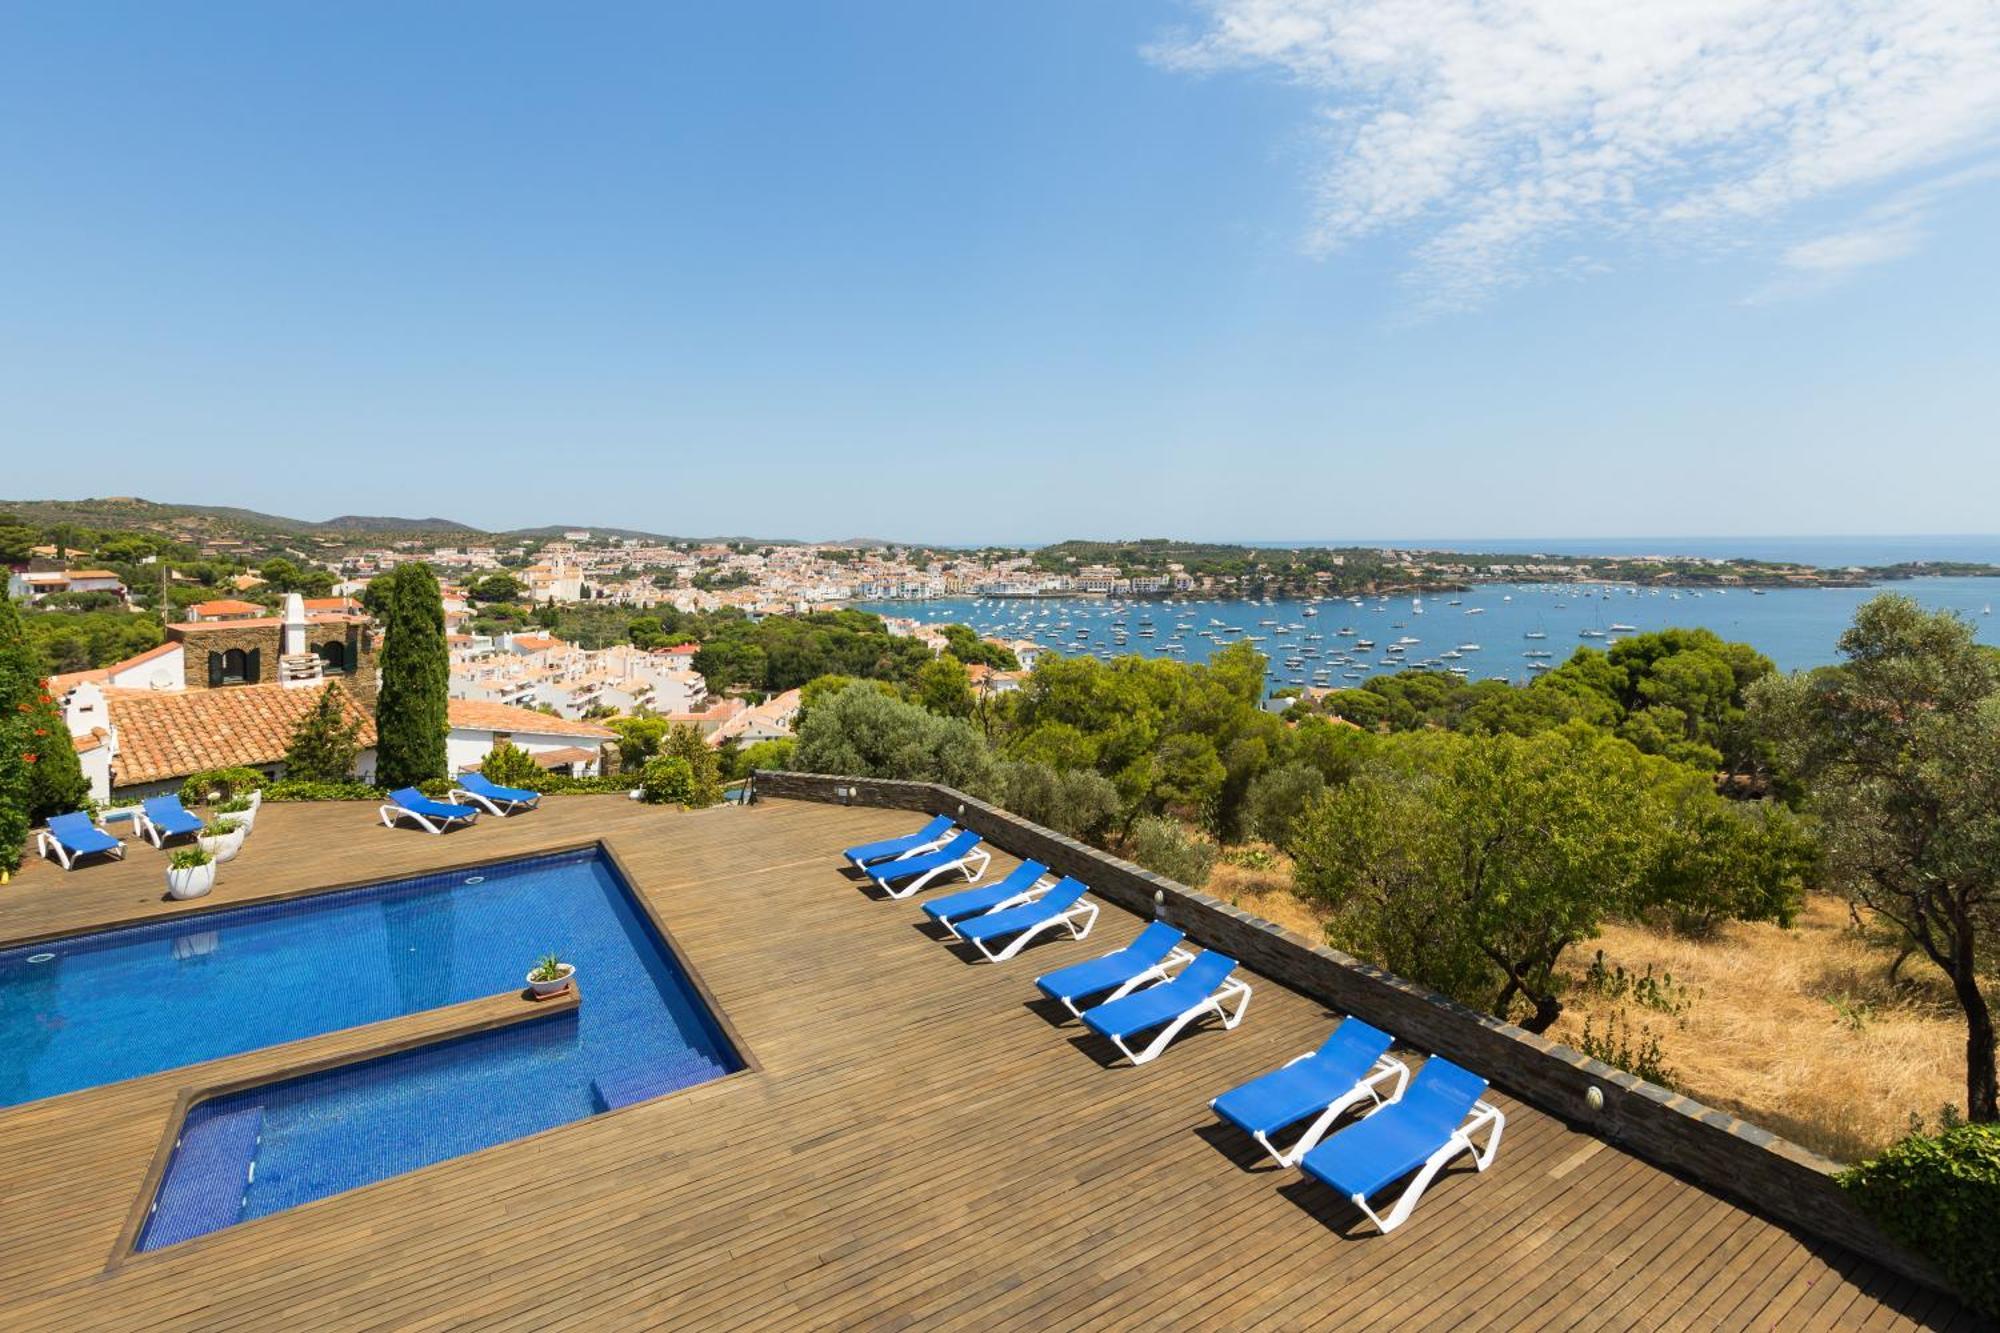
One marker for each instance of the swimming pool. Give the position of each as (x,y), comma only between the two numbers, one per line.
(93,1009)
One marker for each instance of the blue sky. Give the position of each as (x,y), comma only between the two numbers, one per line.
(1255,269)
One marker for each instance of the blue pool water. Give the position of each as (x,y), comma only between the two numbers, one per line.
(88,1010)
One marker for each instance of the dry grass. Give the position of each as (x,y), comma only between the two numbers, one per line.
(1800,1031)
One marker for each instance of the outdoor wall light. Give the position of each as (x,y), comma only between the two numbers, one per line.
(1594,1098)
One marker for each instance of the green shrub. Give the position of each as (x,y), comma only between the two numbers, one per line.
(667,779)
(235,805)
(1167,847)
(296,789)
(1939,1195)
(1278,797)
(190,856)
(1078,803)
(221,784)
(507,765)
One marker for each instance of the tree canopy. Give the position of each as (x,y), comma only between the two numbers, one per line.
(1899,750)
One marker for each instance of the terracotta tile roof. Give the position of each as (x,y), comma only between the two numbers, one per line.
(90,574)
(331,604)
(225,606)
(63,684)
(86,743)
(537,643)
(480,715)
(165,735)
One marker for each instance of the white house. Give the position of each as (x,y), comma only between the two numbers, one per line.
(554,742)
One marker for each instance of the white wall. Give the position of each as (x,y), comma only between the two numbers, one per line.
(465,747)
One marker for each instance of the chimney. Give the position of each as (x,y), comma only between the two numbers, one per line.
(295,625)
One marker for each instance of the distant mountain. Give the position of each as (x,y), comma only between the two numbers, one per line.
(131,512)
(377,523)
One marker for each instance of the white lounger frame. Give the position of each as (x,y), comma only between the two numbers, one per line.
(46,843)
(1082,910)
(1485,1116)
(1176,956)
(1239,991)
(153,833)
(491,805)
(1027,895)
(391,813)
(964,865)
(1387,1069)
(920,849)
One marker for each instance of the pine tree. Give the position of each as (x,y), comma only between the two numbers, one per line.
(20,689)
(39,771)
(324,743)
(411,717)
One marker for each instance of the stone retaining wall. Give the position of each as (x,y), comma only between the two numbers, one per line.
(1722,1153)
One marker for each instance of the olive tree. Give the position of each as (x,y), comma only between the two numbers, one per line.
(1473,863)
(1899,749)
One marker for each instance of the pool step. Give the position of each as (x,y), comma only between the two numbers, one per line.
(204,1190)
(637,1085)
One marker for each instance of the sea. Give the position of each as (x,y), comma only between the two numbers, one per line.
(1500,631)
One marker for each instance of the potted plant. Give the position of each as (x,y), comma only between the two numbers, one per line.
(191,873)
(221,838)
(242,809)
(551,976)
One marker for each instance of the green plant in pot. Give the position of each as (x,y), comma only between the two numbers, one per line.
(551,975)
(191,871)
(221,838)
(242,808)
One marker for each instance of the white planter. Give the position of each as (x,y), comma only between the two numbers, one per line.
(226,847)
(193,882)
(245,820)
(541,988)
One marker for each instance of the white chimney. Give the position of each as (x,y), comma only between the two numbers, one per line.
(295,624)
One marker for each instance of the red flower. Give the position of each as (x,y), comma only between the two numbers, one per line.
(41,731)
(27,759)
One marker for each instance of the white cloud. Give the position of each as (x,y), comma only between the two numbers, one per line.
(1485,129)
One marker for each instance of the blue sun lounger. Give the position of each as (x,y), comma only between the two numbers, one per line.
(163,817)
(432,816)
(492,797)
(1431,1123)
(1062,905)
(1203,987)
(71,837)
(959,854)
(926,839)
(1144,960)
(1012,891)
(1352,1065)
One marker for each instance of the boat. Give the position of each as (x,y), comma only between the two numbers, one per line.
(1624,629)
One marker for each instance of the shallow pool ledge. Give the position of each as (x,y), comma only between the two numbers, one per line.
(197,1083)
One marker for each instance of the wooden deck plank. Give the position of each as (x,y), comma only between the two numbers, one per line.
(920,1145)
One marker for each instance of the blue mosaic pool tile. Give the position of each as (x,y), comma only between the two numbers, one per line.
(212,1166)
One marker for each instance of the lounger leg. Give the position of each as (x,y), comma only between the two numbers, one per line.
(1387,1069)
(1485,1116)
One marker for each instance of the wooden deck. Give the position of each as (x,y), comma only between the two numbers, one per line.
(919,1146)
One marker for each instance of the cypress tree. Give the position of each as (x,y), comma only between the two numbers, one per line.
(411,716)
